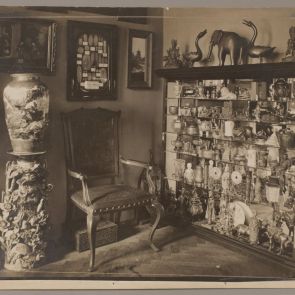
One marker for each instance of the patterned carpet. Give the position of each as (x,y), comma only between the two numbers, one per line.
(184,255)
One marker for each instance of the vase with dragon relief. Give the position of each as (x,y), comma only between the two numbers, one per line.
(26,104)
(23,214)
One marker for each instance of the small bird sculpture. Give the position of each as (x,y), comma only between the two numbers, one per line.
(257,51)
(197,55)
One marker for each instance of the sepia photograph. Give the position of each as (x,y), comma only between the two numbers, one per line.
(148,145)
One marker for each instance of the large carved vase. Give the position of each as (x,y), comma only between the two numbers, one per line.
(26,102)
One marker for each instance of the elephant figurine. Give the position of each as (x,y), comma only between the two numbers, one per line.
(229,43)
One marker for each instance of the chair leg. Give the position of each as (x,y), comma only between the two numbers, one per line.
(68,226)
(92,221)
(159,211)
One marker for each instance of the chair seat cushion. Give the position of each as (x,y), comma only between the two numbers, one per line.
(111,198)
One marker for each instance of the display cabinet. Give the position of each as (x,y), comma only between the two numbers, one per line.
(229,154)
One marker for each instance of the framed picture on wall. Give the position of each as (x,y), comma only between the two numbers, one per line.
(91,61)
(140,46)
(27,45)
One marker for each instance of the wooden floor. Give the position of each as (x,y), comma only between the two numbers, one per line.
(184,256)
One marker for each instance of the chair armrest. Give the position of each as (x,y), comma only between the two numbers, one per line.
(134,163)
(76,174)
(83,178)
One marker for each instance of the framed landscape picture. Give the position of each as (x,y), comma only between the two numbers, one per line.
(27,45)
(140,59)
(91,61)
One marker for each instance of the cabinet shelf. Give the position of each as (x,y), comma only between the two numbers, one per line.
(211,99)
(251,71)
(282,123)
(217,161)
(182,181)
(266,169)
(228,140)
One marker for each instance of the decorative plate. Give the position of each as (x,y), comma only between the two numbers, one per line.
(236,177)
(215,173)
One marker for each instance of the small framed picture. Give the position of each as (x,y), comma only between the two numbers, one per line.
(140,59)
(28,45)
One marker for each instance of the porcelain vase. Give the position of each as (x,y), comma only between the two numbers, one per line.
(26,103)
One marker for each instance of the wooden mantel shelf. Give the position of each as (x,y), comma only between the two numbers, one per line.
(251,71)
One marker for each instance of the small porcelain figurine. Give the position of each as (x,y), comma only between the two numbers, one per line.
(257,112)
(207,94)
(179,167)
(254,226)
(228,128)
(199,175)
(195,204)
(181,202)
(210,212)
(189,174)
(225,179)
(222,206)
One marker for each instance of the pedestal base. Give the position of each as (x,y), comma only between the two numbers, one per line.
(14,267)
(23,211)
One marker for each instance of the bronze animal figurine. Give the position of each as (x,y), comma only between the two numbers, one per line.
(257,51)
(276,236)
(289,219)
(198,55)
(229,43)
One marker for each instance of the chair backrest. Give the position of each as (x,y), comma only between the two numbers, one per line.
(91,141)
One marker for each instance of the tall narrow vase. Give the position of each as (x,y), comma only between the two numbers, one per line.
(26,103)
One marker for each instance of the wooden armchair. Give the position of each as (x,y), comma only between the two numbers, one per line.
(92,152)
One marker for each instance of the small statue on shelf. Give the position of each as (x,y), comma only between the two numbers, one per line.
(186,60)
(254,227)
(257,51)
(197,55)
(196,207)
(289,219)
(210,212)
(182,202)
(172,59)
(257,113)
(290,53)
(222,206)
(278,237)
(189,174)
(224,223)
(258,190)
